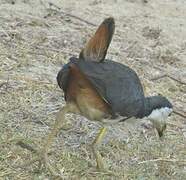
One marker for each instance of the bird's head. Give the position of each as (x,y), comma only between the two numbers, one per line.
(158,118)
(158,108)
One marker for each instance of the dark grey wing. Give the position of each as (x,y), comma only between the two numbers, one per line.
(118,84)
(63,74)
(62,77)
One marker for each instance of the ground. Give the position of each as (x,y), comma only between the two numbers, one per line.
(37,37)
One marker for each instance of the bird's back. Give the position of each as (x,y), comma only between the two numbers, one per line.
(116,83)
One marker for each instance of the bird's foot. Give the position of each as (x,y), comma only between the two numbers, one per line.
(96,170)
(42,159)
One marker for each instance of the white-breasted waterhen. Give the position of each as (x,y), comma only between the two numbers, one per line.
(101,90)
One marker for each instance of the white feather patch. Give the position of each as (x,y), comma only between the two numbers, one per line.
(160,114)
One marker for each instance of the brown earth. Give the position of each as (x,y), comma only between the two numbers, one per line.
(38,37)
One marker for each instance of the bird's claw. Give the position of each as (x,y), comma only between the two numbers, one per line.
(44,161)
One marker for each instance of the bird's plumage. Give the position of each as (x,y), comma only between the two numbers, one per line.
(97,46)
(122,89)
(118,85)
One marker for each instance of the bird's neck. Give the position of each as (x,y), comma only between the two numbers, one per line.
(155,103)
(157,109)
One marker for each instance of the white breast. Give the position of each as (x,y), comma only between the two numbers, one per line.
(159,114)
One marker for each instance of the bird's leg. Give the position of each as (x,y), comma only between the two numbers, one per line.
(96,153)
(58,124)
(60,118)
(43,153)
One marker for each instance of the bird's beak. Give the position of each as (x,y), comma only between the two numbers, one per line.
(161,130)
(160,126)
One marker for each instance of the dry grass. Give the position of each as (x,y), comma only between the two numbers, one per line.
(36,39)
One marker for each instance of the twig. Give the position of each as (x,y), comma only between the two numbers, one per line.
(176,80)
(38,122)
(79,18)
(26,146)
(158,77)
(71,15)
(26,164)
(178,113)
(47,48)
(161,159)
(34,17)
(173,124)
(166,75)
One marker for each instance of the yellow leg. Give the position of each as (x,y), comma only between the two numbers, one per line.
(43,154)
(57,126)
(95,144)
(60,118)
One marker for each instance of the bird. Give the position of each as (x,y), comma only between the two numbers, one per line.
(105,91)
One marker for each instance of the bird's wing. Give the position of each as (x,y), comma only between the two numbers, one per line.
(117,84)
